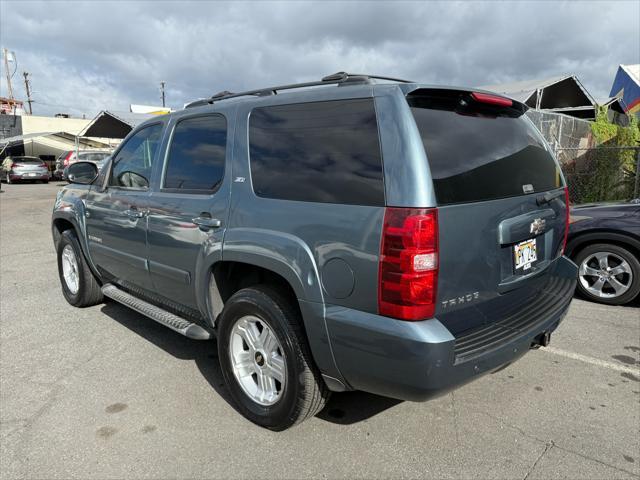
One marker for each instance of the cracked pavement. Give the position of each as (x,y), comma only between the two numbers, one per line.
(104,392)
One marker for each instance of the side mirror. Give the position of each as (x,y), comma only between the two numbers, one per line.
(83,173)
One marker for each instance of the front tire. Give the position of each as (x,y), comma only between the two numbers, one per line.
(79,286)
(608,274)
(266,361)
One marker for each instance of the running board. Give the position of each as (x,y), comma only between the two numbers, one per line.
(175,323)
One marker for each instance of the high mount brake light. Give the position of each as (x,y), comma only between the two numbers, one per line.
(408,276)
(491,99)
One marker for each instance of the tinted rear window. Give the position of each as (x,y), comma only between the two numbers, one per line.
(479,152)
(197,154)
(27,161)
(317,152)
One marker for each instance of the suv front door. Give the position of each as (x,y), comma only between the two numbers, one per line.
(188,212)
(117,212)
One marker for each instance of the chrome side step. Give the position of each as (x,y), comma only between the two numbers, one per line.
(175,323)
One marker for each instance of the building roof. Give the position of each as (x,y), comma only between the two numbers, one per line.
(626,85)
(564,93)
(633,71)
(523,90)
(40,137)
(614,103)
(110,124)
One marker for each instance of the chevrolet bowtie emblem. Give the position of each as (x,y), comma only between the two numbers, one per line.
(537,226)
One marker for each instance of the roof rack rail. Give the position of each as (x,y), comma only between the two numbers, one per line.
(339,78)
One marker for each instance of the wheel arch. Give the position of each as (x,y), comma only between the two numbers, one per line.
(59,226)
(67,219)
(582,240)
(226,277)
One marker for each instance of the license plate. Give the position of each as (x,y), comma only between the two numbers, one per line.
(524,254)
(32,174)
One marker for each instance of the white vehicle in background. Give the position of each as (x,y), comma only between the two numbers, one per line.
(69,157)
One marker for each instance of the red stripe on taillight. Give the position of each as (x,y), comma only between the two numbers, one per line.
(491,99)
(408,276)
(567,218)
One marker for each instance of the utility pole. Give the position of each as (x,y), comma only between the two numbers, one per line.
(162,92)
(26,87)
(5,54)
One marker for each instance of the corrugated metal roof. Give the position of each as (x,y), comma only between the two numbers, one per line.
(21,138)
(114,124)
(522,90)
(70,137)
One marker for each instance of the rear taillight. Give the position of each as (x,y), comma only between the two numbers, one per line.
(567,218)
(67,159)
(408,276)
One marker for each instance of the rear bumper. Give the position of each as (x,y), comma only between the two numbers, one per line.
(420,360)
(26,176)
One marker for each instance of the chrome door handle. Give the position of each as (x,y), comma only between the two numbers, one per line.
(206,223)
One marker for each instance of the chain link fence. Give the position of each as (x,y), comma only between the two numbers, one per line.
(600,173)
(603,173)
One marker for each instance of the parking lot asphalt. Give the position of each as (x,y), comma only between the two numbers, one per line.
(104,392)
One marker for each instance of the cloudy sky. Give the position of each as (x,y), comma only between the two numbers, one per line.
(87,56)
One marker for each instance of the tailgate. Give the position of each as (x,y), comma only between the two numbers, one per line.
(479,282)
(501,208)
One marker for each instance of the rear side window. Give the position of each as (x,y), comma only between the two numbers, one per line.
(317,152)
(480,152)
(197,154)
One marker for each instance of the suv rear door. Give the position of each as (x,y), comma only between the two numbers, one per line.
(188,209)
(497,186)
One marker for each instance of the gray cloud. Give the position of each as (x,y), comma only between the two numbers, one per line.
(85,57)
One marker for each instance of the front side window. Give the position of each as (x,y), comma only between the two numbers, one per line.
(197,154)
(132,165)
(317,152)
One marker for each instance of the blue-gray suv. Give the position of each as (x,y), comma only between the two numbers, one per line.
(354,233)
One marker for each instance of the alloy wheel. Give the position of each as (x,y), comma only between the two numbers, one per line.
(605,275)
(70,269)
(257,360)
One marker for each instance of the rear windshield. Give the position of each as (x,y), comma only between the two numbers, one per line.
(480,152)
(27,161)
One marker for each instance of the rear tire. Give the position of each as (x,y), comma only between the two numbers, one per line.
(79,286)
(597,281)
(302,392)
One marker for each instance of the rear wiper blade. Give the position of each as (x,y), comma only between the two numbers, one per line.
(547,197)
